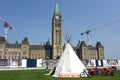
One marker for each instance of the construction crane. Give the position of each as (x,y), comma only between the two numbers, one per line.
(87,32)
(7,26)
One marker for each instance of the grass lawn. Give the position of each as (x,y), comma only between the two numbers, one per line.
(40,75)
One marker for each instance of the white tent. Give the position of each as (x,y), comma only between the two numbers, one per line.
(69,64)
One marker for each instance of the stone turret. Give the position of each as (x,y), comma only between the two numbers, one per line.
(25,48)
(83,44)
(2,40)
(100,50)
(25,41)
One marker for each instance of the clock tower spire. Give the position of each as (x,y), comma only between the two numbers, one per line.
(56,33)
(57,11)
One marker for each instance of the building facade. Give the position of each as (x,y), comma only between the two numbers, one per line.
(25,50)
(88,52)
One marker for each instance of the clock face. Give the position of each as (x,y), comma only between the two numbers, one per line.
(56,17)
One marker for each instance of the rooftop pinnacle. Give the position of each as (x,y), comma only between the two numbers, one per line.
(57,11)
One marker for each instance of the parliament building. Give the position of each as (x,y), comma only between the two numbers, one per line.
(25,50)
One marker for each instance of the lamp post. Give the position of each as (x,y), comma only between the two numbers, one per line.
(47,62)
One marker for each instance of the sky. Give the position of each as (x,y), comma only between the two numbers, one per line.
(33,19)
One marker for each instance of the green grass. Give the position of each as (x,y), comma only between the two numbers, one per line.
(40,75)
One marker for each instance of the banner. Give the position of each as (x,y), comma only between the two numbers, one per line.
(3,62)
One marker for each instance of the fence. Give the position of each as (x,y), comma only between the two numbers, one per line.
(45,64)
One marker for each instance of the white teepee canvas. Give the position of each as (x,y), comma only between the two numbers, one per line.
(68,63)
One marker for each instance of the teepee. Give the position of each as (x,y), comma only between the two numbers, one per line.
(69,65)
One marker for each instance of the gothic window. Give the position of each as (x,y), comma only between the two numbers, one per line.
(57,20)
(101,54)
(1,46)
(57,24)
(57,49)
(0,52)
(5,53)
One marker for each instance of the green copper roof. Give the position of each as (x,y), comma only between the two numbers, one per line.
(57,11)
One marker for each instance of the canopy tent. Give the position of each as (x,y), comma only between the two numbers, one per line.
(69,64)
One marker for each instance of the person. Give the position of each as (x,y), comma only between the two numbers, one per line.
(111,71)
(114,69)
(91,71)
(97,71)
(103,71)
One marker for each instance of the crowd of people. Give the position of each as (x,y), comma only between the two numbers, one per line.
(104,71)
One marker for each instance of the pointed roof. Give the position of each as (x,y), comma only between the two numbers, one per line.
(57,11)
(25,41)
(68,63)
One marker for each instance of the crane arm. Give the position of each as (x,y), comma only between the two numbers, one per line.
(106,25)
(2,20)
(98,27)
(7,26)
(86,32)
